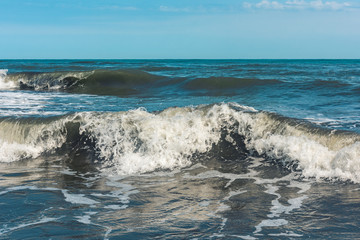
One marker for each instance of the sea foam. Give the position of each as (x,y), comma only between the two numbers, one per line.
(4,83)
(139,141)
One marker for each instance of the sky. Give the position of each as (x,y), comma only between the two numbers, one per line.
(179,29)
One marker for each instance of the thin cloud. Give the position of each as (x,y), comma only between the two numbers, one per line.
(173,9)
(298,5)
(268,4)
(114,7)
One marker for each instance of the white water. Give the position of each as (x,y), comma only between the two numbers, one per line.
(4,84)
(29,140)
(40,81)
(137,141)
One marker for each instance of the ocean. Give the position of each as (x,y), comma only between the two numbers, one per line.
(179,149)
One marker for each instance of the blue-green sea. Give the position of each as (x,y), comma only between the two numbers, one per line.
(179,149)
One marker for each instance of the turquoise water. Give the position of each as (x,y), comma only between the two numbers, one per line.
(194,149)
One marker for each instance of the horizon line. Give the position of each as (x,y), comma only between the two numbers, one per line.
(7,59)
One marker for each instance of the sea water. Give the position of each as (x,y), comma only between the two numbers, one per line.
(179,149)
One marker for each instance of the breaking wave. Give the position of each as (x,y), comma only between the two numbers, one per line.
(138,141)
(5,84)
(100,82)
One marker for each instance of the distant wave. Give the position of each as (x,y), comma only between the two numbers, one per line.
(123,82)
(329,84)
(218,83)
(159,68)
(101,82)
(138,141)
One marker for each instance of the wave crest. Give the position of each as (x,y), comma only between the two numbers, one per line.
(100,82)
(4,83)
(124,82)
(138,141)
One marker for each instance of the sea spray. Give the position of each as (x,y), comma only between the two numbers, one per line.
(4,83)
(138,141)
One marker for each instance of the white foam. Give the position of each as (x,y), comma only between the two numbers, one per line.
(321,155)
(21,103)
(286,234)
(78,198)
(270,223)
(116,207)
(24,225)
(315,159)
(10,152)
(277,208)
(68,171)
(4,83)
(247,237)
(85,218)
(26,140)
(137,141)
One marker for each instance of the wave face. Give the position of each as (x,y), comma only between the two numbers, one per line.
(125,82)
(138,141)
(4,83)
(100,82)
(215,83)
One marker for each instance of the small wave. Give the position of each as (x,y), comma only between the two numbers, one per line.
(138,141)
(84,62)
(159,68)
(230,83)
(329,83)
(121,82)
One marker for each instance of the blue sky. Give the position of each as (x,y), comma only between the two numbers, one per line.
(179,29)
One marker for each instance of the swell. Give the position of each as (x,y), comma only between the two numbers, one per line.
(124,82)
(100,82)
(138,141)
(223,83)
